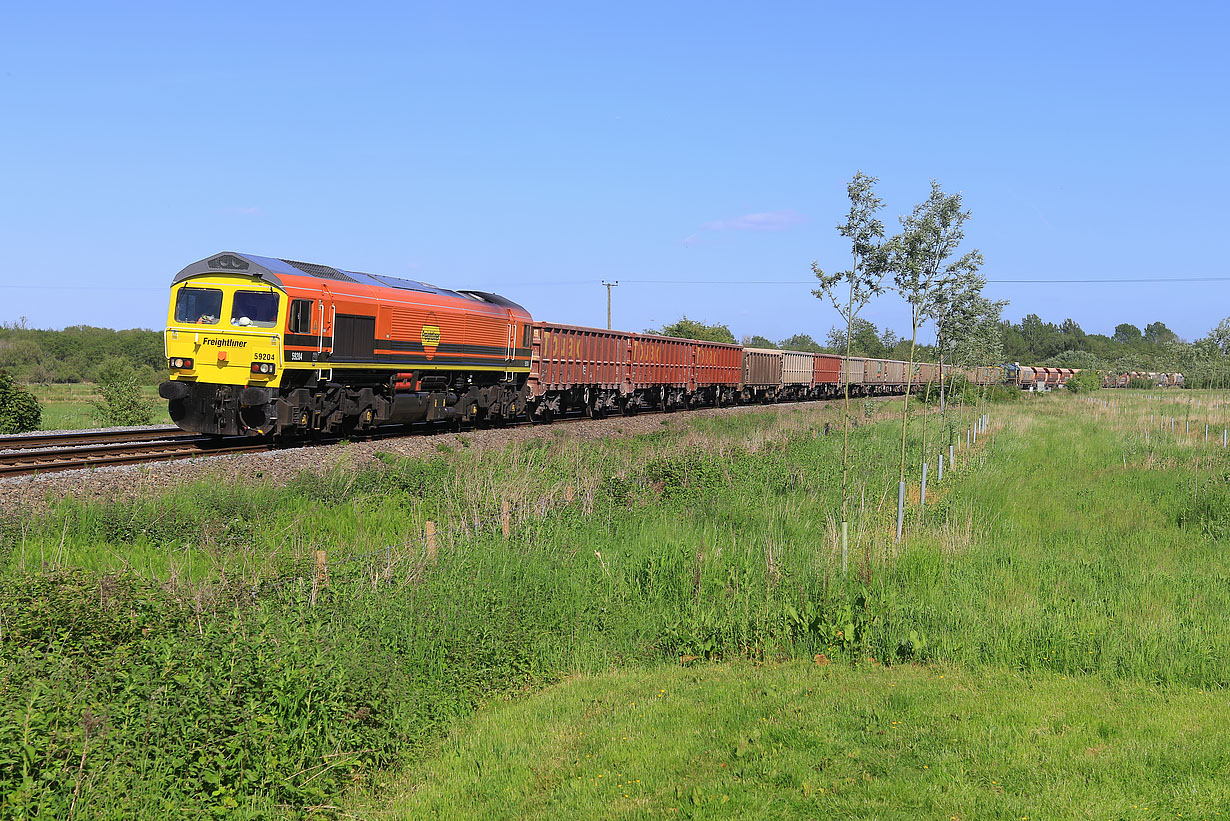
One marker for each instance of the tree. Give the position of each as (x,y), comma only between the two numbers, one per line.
(953,308)
(979,338)
(923,267)
(801,342)
(1127,334)
(1073,336)
(691,329)
(864,277)
(19,409)
(758,341)
(1158,333)
(864,339)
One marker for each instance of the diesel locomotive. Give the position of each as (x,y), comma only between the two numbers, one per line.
(264,346)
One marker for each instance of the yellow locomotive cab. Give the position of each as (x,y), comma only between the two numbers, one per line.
(225,330)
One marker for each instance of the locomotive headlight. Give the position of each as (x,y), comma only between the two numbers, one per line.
(263,368)
(181,363)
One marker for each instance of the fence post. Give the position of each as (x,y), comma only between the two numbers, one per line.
(568,494)
(505,522)
(431,540)
(845,546)
(321,577)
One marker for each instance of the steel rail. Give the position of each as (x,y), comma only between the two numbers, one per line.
(30,441)
(51,460)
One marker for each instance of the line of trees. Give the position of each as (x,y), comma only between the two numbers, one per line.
(80,353)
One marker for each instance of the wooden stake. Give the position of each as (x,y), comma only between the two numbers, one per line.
(321,578)
(431,541)
(505,523)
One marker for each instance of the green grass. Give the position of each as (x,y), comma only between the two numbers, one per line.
(1076,541)
(68,406)
(806,741)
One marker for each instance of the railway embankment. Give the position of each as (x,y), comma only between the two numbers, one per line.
(269,645)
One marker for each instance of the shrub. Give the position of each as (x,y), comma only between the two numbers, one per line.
(122,403)
(1085,381)
(19,410)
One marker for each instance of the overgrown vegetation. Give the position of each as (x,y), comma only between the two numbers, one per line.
(1086,381)
(183,652)
(19,409)
(121,401)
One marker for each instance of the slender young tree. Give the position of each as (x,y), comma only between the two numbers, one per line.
(951,310)
(863,280)
(923,267)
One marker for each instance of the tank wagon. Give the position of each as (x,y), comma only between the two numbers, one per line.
(265,346)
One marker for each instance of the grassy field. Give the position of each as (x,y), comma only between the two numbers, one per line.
(69,406)
(1068,579)
(800,740)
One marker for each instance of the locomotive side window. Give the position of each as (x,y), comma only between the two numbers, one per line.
(258,309)
(201,306)
(301,316)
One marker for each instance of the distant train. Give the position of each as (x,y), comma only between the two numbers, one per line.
(1044,378)
(274,347)
(1037,377)
(1162,380)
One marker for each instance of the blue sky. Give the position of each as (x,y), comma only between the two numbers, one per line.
(535,149)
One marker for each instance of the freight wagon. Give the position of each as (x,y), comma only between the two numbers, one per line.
(599,371)
(762,375)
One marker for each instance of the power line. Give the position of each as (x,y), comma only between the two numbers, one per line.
(1080,281)
(1119,280)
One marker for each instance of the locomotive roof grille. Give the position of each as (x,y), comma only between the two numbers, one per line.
(322,271)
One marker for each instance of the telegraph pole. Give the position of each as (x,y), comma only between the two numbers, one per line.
(609,286)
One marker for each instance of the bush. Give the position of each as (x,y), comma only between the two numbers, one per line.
(19,409)
(122,403)
(1085,381)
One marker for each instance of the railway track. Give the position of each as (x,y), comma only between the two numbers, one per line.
(25,454)
(50,453)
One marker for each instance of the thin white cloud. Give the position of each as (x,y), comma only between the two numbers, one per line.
(766,221)
(243,211)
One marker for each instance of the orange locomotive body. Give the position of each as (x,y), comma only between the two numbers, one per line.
(261,346)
